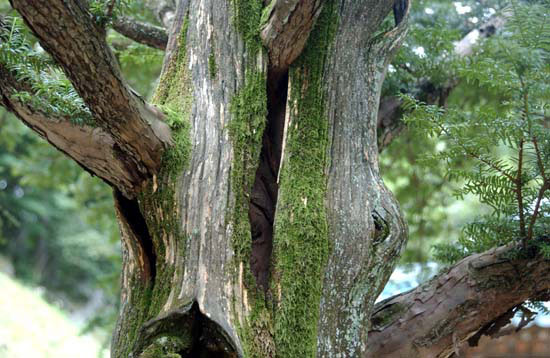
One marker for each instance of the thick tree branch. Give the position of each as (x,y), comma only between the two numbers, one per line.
(143,33)
(390,111)
(78,45)
(474,297)
(287,29)
(92,148)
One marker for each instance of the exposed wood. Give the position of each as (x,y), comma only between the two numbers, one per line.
(141,32)
(390,111)
(474,295)
(78,46)
(287,30)
(92,148)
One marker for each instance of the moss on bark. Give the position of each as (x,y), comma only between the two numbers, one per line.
(301,240)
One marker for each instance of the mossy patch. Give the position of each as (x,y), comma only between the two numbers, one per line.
(212,67)
(301,239)
(249,111)
(266,13)
(247,16)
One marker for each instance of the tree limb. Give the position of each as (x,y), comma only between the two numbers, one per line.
(474,297)
(143,33)
(287,29)
(390,111)
(78,45)
(92,148)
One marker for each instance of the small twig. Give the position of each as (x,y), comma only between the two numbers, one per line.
(540,195)
(519,194)
(111,8)
(476,156)
(539,160)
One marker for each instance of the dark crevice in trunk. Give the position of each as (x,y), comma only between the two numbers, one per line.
(199,336)
(264,192)
(208,339)
(129,209)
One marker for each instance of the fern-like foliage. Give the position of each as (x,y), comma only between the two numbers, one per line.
(48,89)
(510,145)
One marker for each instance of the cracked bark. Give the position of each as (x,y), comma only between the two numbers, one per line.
(467,300)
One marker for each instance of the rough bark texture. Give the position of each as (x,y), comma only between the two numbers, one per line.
(78,45)
(471,298)
(287,29)
(365,225)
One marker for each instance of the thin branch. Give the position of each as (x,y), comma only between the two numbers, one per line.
(477,156)
(545,186)
(518,182)
(539,160)
(142,33)
(110,8)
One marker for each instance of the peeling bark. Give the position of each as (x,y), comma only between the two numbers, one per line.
(468,299)
(287,29)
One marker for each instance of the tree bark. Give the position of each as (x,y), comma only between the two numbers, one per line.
(474,297)
(258,225)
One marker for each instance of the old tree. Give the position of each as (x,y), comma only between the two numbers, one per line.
(254,221)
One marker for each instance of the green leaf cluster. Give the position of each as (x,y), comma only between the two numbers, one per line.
(49,90)
(508,144)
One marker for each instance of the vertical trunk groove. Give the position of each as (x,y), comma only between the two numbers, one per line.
(263,199)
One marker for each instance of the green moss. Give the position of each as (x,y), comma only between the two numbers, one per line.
(212,67)
(158,202)
(247,16)
(165,347)
(301,240)
(175,83)
(266,13)
(249,111)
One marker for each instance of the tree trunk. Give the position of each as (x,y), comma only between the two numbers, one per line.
(225,254)
(253,219)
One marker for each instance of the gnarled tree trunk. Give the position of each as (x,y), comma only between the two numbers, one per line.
(281,233)
(254,221)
